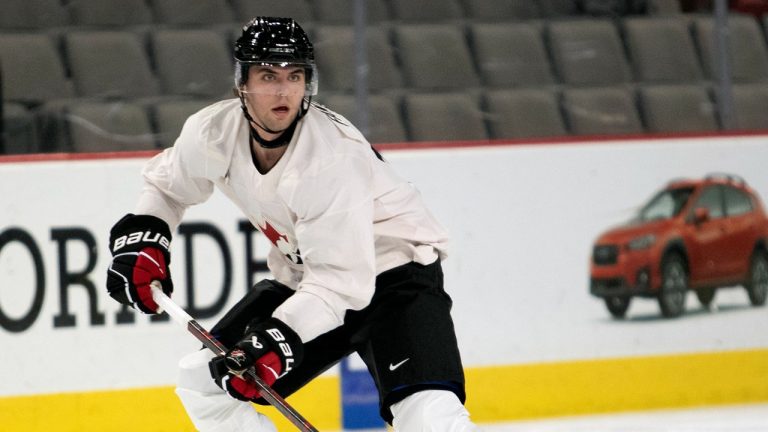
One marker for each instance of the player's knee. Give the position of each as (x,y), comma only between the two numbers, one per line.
(209,408)
(431,410)
(194,373)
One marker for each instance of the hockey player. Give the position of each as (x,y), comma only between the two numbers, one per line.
(355,257)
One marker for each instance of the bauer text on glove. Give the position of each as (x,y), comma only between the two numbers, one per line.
(271,347)
(140,254)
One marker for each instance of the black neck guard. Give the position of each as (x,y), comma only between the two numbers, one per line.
(282,140)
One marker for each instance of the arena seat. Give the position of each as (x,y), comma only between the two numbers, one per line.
(36,74)
(193,12)
(300,10)
(192,62)
(341,12)
(501,11)
(750,106)
(588,52)
(511,54)
(96,126)
(539,67)
(109,64)
(335,56)
(444,117)
(601,111)
(677,108)
(748,52)
(558,8)
(661,50)
(426,11)
(524,113)
(32,15)
(664,7)
(20,134)
(109,12)
(385,121)
(435,56)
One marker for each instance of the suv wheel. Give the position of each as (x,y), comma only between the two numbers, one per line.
(757,284)
(705,296)
(617,306)
(674,286)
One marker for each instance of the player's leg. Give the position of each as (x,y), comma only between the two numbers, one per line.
(431,410)
(207,405)
(209,408)
(320,354)
(412,350)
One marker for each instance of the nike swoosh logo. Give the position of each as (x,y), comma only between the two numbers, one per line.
(392,367)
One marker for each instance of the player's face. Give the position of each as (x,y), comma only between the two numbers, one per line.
(274,94)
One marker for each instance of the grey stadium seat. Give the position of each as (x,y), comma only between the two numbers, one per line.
(749,55)
(36,77)
(342,11)
(524,113)
(601,111)
(588,52)
(32,14)
(750,106)
(109,12)
(435,56)
(193,62)
(385,121)
(677,108)
(109,64)
(192,12)
(426,11)
(662,50)
(511,54)
(109,126)
(444,117)
(170,115)
(20,133)
(506,11)
(335,56)
(36,73)
(299,10)
(664,7)
(558,8)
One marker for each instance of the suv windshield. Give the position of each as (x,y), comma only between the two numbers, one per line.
(666,204)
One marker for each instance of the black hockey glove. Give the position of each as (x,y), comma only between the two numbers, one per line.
(140,254)
(270,347)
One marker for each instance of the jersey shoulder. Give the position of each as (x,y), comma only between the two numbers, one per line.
(208,138)
(216,119)
(334,125)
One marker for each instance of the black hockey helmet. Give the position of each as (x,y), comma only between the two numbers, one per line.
(275,41)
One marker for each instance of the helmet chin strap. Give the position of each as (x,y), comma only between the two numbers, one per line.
(275,143)
(280,141)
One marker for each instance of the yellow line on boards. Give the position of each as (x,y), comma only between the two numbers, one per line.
(506,393)
(497,393)
(149,410)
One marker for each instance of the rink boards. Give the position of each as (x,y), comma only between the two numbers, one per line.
(523,218)
(501,393)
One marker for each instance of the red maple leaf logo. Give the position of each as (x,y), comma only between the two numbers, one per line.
(281,242)
(272,234)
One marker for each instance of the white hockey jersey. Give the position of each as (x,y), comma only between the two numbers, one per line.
(336,215)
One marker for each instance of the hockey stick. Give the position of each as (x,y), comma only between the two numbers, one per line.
(183,318)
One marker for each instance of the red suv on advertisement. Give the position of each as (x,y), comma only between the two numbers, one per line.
(697,235)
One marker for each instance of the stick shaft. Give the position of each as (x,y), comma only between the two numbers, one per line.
(183,318)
